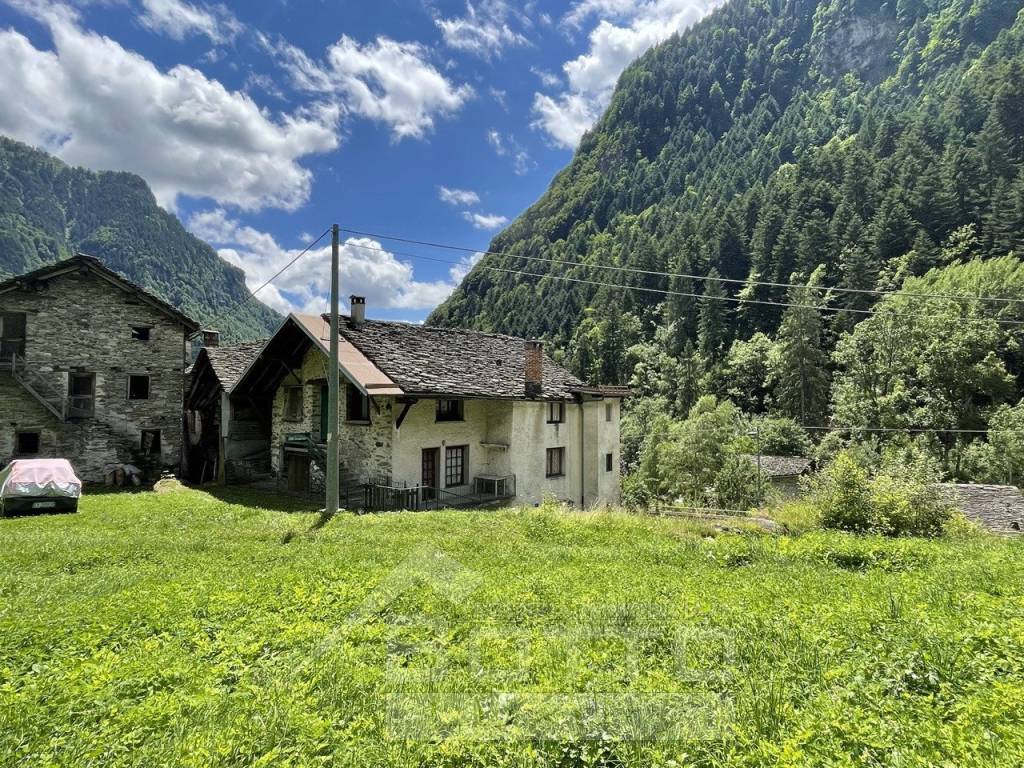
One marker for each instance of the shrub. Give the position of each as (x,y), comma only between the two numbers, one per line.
(895,503)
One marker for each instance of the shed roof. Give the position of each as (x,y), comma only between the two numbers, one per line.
(781,466)
(229,363)
(94,265)
(999,508)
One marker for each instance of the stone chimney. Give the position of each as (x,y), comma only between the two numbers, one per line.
(211,338)
(358,309)
(534,367)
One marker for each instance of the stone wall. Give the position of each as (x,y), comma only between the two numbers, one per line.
(80,322)
(364,448)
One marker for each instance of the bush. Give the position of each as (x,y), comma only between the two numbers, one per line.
(891,504)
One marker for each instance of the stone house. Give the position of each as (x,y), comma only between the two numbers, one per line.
(434,415)
(227,439)
(782,472)
(91,369)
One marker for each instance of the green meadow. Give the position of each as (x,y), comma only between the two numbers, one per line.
(189,629)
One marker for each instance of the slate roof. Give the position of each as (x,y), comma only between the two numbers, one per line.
(229,363)
(781,466)
(98,267)
(424,360)
(999,508)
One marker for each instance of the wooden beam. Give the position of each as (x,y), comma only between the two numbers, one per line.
(407,403)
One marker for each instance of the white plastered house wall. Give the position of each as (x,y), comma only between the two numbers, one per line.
(503,437)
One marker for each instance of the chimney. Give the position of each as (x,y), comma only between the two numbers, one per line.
(211,338)
(357,310)
(534,368)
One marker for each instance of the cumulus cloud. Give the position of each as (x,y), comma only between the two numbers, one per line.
(178,19)
(485,221)
(458,196)
(387,81)
(96,104)
(366,268)
(484,31)
(625,29)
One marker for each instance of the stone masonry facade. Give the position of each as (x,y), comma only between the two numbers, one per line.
(80,323)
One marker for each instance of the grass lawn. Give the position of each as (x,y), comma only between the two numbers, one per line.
(184,629)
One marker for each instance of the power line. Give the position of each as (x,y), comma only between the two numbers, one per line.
(912,430)
(635,270)
(281,271)
(661,291)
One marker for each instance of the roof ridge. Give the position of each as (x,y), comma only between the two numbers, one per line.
(440,328)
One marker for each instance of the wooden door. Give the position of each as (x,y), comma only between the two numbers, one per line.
(429,476)
(298,473)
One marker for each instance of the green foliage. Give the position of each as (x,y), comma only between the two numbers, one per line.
(898,501)
(49,211)
(177,630)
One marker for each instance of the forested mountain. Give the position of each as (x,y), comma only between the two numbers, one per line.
(49,211)
(875,140)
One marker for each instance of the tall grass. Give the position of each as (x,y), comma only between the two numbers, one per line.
(184,629)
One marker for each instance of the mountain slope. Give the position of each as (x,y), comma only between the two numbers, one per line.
(49,211)
(877,138)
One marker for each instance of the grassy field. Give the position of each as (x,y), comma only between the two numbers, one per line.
(183,629)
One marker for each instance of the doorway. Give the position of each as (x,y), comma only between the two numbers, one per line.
(429,478)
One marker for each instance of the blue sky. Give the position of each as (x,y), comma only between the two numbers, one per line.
(262,123)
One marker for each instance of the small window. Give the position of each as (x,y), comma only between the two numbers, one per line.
(140,332)
(293,403)
(450,410)
(357,405)
(556,412)
(556,462)
(607,411)
(138,387)
(81,395)
(609,462)
(12,334)
(455,466)
(150,442)
(26,443)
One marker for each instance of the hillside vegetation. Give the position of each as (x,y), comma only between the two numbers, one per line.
(49,211)
(840,146)
(179,629)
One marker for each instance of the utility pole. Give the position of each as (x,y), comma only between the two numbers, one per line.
(333,398)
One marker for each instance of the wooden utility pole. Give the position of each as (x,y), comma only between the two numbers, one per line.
(333,399)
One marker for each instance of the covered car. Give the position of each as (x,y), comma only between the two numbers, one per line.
(39,485)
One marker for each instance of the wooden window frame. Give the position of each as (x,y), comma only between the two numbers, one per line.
(354,398)
(462,462)
(149,387)
(8,342)
(286,411)
(455,410)
(555,466)
(81,413)
(556,412)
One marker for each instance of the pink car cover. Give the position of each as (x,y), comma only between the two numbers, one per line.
(39,477)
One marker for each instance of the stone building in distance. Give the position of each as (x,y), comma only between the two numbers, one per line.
(91,370)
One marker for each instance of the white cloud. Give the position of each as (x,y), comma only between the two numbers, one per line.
(486,221)
(179,19)
(484,31)
(96,104)
(458,196)
(612,45)
(547,79)
(366,268)
(387,81)
(506,145)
